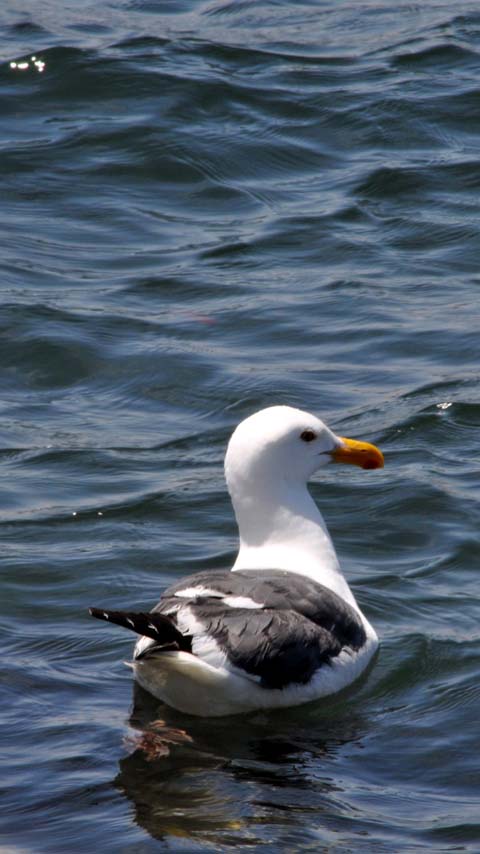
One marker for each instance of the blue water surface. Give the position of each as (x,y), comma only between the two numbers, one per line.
(207,208)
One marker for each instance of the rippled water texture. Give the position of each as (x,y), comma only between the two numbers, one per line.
(208,208)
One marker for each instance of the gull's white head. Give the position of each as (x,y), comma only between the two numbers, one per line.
(283,444)
(269,460)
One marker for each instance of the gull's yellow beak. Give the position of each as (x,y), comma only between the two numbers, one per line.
(358,454)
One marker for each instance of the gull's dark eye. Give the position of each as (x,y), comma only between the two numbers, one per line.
(308,436)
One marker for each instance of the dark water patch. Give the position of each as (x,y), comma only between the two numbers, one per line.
(143,45)
(404,184)
(443,55)
(26,28)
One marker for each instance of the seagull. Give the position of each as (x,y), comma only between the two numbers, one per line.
(282,627)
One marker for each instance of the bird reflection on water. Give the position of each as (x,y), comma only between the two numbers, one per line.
(187,777)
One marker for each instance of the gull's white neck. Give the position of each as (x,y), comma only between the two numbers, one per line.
(280,527)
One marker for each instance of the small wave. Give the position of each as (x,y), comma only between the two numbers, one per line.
(438,55)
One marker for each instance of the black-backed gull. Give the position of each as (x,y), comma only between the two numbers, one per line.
(282,627)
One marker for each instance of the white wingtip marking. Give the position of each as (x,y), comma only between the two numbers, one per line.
(241,602)
(131,622)
(198,591)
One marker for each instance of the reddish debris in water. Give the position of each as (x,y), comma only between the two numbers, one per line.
(155,742)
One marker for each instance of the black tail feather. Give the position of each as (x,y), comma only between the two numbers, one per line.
(158,627)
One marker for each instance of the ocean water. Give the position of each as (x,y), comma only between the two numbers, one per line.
(207,208)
